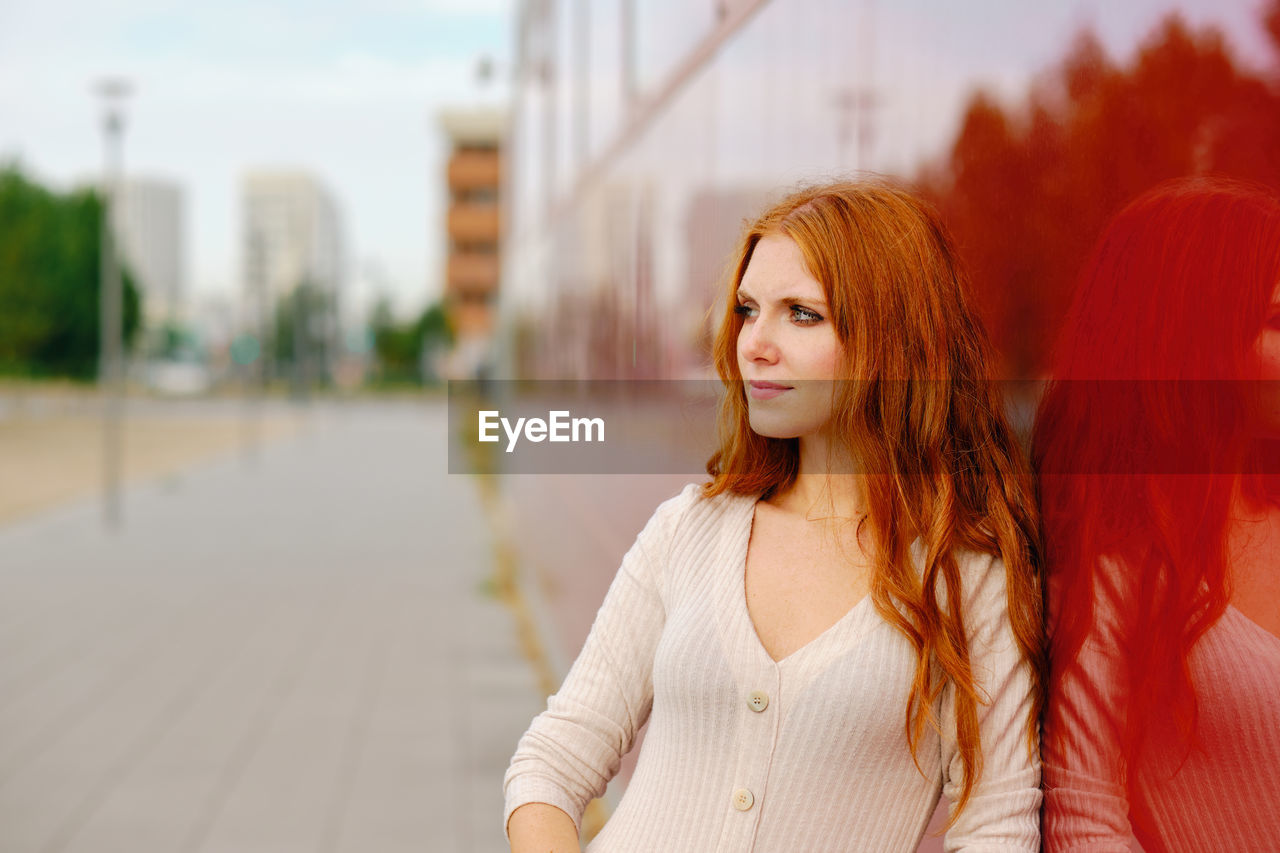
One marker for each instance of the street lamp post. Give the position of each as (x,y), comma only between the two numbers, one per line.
(253,348)
(111,298)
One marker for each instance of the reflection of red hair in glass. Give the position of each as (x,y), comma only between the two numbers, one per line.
(1164,709)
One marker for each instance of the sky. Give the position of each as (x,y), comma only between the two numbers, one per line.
(347,91)
(350,92)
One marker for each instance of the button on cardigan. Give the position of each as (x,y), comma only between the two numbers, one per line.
(747,754)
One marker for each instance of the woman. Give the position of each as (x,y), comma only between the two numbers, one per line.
(1155,445)
(845,621)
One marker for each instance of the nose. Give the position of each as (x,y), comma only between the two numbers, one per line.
(755,342)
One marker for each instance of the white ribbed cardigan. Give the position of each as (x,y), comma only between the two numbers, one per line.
(823,766)
(1220,794)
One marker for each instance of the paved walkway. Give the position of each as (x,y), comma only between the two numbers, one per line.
(294,656)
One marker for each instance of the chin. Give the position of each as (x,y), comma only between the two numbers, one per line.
(778,425)
(767,424)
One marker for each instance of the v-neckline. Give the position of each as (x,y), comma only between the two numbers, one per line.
(858,606)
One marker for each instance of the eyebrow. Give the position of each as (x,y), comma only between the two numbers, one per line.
(742,294)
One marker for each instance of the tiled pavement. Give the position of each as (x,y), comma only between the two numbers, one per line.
(297,655)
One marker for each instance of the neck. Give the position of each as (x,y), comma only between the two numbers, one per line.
(828,484)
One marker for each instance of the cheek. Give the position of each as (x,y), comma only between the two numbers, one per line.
(834,359)
(831,360)
(1267,350)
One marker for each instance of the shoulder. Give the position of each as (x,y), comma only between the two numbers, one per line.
(691,530)
(692,511)
(981,573)
(983,584)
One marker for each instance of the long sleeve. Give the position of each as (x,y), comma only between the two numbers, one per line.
(1003,812)
(1086,804)
(574,747)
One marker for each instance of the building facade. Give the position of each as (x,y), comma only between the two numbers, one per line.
(644,133)
(149,216)
(473,177)
(293,251)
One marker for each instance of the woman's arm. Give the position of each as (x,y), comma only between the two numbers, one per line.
(1003,811)
(540,828)
(576,745)
(1086,805)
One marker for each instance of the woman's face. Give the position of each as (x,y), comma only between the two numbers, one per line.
(788,353)
(1267,352)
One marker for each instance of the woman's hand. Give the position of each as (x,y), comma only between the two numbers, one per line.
(540,828)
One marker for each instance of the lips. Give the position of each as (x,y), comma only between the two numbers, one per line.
(760,390)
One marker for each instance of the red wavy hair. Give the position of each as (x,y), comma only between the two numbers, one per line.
(923,414)
(1145,430)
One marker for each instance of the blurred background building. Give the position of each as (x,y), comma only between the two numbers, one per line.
(473,224)
(150,218)
(643,134)
(293,257)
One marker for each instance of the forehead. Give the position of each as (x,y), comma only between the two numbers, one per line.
(777,268)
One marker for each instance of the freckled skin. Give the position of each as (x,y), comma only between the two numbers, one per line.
(786,338)
(801,577)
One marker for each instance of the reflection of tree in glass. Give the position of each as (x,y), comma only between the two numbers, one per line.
(1027,190)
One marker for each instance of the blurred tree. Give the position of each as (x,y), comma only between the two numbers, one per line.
(436,334)
(405,350)
(302,324)
(172,341)
(396,345)
(1027,190)
(50,279)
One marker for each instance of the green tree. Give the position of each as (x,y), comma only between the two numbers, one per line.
(396,345)
(435,335)
(302,322)
(172,341)
(50,280)
(401,347)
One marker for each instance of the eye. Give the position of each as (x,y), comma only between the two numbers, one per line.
(802,316)
(744,310)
